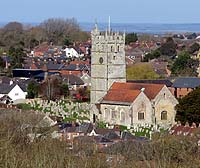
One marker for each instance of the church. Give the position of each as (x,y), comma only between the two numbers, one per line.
(119,103)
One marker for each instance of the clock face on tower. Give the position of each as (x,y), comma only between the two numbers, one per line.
(100,60)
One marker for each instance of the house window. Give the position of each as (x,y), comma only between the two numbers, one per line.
(141,115)
(16,94)
(164,115)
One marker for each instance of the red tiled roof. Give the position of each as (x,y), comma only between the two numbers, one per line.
(182,130)
(121,95)
(80,62)
(150,90)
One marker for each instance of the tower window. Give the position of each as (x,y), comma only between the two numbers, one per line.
(114,57)
(111,48)
(101,60)
(164,115)
(118,48)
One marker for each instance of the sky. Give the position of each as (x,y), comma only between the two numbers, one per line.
(120,11)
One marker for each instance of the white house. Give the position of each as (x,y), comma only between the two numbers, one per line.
(71,52)
(86,78)
(12,93)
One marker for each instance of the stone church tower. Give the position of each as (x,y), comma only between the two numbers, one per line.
(107,62)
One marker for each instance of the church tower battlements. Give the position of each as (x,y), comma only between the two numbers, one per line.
(107,62)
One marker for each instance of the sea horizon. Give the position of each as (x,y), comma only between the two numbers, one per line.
(145,28)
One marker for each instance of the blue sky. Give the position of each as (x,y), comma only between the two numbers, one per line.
(120,11)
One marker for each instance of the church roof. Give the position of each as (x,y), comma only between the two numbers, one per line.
(150,90)
(126,93)
(122,96)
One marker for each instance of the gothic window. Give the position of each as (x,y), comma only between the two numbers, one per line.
(164,115)
(122,116)
(106,113)
(141,115)
(114,114)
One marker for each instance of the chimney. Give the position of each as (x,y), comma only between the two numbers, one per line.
(178,123)
(187,124)
(45,75)
(11,82)
(77,66)
(193,125)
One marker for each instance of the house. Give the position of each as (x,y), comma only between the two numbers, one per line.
(12,92)
(72,131)
(86,78)
(98,142)
(184,130)
(103,131)
(26,73)
(73,81)
(166,82)
(71,53)
(182,86)
(69,133)
(134,104)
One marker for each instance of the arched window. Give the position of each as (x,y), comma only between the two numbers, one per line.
(122,116)
(164,115)
(114,114)
(141,115)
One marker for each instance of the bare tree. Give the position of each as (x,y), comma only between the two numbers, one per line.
(56,28)
(51,87)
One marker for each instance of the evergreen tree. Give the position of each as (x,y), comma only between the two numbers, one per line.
(188,108)
(131,37)
(184,65)
(32,90)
